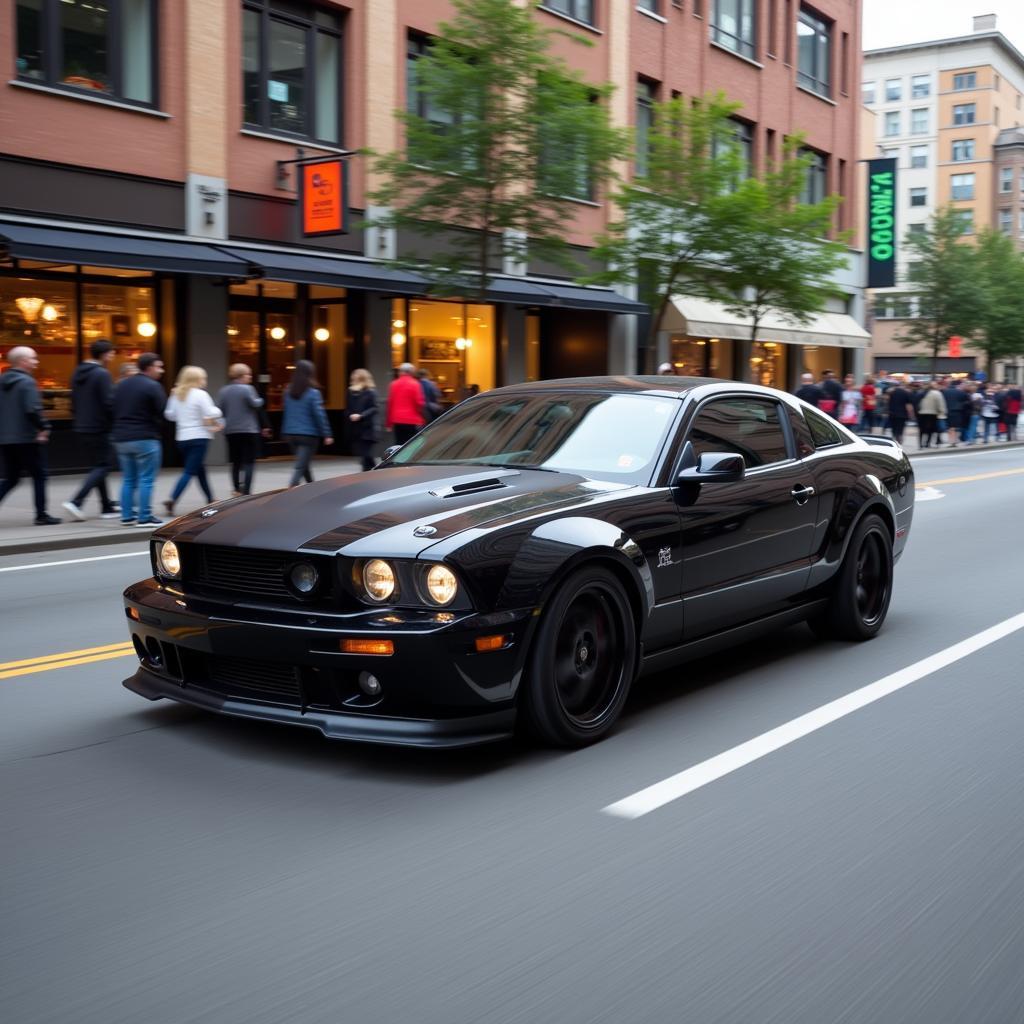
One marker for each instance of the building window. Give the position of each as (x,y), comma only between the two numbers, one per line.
(918,156)
(814,53)
(654,6)
(964,113)
(291,69)
(962,186)
(892,123)
(965,81)
(1006,221)
(867,93)
(564,168)
(915,229)
(965,218)
(816,182)
(890,152)
(106,48)
(732,25)
(580,10)
(919,197)
(919,121)
(920,86)
(963,149)
(893,89)
(1005,179)
(743,142)
(646,93)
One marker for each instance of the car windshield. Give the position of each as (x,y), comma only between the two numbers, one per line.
(609,437)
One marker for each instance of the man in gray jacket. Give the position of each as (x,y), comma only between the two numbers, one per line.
(242,408)
(23,430)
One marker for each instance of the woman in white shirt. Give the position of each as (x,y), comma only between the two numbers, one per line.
(196,420)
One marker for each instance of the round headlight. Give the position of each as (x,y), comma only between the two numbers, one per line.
(441,584)
(379,579)
(169,559)
(303,577)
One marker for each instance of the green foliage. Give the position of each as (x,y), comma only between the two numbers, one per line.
(947,283)
(504,132)
(1000,330)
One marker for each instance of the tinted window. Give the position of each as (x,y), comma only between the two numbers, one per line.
(823,430)
(747,426)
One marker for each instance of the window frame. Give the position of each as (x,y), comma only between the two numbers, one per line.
(927,121)
(571,14)
(918,160)
(916,84)
(783,420)
(646,97)
(922,194)
(961,85)
(817,175)
(812,414)
(312,29)
(650,6)
(969,157)
(962,186)
(1005,181)
(821,27)
(893,95)
(963,116)
(892,117)
(52,54)
(1005,220)
(864,91)
(735,42)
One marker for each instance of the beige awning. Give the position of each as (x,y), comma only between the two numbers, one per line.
(704,318)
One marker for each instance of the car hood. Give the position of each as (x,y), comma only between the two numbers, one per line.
(378,513)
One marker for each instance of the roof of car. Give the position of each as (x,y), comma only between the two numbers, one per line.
(645,385)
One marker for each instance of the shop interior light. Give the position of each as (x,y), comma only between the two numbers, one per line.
(146,328)
(322,334)
(29,305)
(463,343)
(50,313)
(398,324)
(398,339)
(278,333)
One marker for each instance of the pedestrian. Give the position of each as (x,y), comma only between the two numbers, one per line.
(128,369)
(139,402)
(1013,407)
(850,402)
(305,421)
(431,396)
(666,370)
(929,412)
(869,404)
(241,406)
(956,406)
(24,430)
(809,391)
(196,419)
(405,408)
(92,404)
(970,412)
(832,392)
(362,416)
(901,409)
(990,414)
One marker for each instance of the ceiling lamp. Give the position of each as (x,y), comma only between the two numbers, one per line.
(397,339)
(278,333)
(146,329)
(463,343)
(50,313)
(397,324)
(322,334)
(30,305)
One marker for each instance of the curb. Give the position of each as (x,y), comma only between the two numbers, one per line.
(964,449)
(26,547)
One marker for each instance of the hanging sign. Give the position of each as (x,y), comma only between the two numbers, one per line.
(881,223)
(323,197)
(955,343)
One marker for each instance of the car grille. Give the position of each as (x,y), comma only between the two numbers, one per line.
(261,574)
(246,677)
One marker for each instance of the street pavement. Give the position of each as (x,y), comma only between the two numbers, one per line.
(161,864)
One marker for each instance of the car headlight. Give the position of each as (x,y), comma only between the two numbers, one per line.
(168,558)
(442,586)
(379,579)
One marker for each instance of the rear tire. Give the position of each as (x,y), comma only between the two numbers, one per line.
(582,662)
(863,586)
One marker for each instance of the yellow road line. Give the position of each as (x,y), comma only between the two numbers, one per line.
(69,658)
(968,479)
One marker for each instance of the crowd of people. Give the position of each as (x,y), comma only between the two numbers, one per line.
(121,426)
(947,411)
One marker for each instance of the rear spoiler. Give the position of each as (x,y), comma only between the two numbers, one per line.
(881,442)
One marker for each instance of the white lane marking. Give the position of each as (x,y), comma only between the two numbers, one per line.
(650,799)
(929,494)
(72,561)
(972,450)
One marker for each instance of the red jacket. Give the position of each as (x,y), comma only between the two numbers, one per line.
(405,402)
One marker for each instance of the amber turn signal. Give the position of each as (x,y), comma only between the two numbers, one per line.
(490,643)
(382,648)
(133,613)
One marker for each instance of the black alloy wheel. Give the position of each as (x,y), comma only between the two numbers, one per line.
(863,586)
(582,662)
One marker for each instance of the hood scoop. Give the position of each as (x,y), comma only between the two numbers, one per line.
(470,487)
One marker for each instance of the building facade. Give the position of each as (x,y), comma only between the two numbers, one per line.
(949,111)
(152,153)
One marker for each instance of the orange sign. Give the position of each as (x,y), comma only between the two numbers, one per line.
(323,198)
(954,346)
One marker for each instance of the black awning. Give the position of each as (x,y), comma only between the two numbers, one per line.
(563,294)
(122,251)
(332,271)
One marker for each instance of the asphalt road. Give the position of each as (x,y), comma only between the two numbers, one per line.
(159,864)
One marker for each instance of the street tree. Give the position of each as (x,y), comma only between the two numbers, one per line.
(676,207)
(499,132)
(1000,330)
(945,279)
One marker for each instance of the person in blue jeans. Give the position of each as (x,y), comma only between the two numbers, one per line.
(138,418)
(305,421)
(196,420)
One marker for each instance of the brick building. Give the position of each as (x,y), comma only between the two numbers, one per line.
(148,187)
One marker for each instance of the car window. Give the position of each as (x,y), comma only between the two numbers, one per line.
(824,430)
(750,427)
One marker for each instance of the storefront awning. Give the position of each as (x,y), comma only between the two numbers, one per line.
(118,250)
(708,319)
(563,294)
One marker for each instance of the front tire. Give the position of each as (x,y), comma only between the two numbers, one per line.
(582,662)
(863,586)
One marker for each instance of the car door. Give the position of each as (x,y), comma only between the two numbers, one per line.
(746,544)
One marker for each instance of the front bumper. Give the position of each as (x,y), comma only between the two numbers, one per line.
(286,666)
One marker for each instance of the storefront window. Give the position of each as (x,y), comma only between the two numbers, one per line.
(768,364)
(122,315)
(702,357)
(817,359)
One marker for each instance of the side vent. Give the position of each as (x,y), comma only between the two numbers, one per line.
(471,487)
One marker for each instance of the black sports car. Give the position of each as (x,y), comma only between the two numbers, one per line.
(522,560)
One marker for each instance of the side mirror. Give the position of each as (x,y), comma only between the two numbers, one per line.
(388,452)
(713,467)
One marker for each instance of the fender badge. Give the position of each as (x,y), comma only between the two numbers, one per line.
(424,531)
(207,512)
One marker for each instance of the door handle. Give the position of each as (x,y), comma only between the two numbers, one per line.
(802,494)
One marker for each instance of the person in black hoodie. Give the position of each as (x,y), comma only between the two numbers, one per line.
(23,430)
(92,399)
(809,391)
(832,394)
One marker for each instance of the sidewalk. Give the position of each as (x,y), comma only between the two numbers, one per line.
(18,534)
